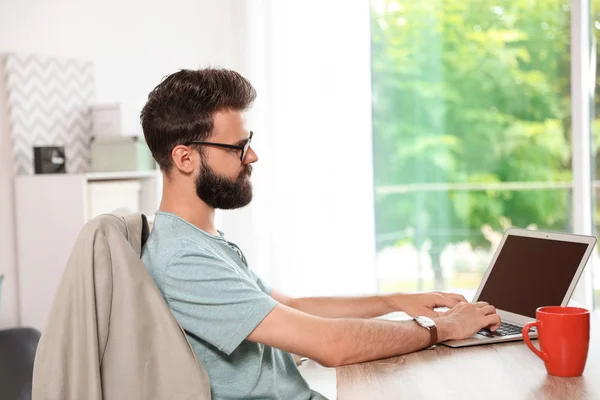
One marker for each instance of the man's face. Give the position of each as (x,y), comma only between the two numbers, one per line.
(223,181)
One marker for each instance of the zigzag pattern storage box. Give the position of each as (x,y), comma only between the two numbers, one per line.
(48,105)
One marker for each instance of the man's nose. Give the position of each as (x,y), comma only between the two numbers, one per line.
(251,156)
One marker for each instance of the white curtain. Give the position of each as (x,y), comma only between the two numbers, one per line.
(310,228)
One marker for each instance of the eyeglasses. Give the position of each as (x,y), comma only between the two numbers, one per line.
(244,148)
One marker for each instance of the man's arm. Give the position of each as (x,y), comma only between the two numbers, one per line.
(335,342)
(370,306)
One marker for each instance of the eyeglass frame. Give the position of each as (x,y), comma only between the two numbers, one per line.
(244,148)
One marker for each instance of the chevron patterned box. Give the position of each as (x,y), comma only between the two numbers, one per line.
(48,101)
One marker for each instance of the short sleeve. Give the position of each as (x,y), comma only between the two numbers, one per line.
(264,286)
(213,300)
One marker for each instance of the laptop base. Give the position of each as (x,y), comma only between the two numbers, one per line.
(477,340)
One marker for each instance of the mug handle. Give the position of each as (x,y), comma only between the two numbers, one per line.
(537,352)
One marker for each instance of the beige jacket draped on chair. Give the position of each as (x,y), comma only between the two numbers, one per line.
(110,334)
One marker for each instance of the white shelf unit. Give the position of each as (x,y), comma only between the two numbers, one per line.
(50,212)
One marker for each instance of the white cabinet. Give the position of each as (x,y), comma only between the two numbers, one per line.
(50,212)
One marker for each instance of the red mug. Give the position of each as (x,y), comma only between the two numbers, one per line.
(564,338)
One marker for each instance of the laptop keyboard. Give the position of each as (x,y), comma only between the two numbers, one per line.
(504,330)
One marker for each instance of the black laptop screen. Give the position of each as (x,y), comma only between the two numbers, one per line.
(531,273)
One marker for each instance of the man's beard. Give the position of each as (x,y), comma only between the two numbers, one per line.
(222,193)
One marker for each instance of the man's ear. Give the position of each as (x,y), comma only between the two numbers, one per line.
(183,159)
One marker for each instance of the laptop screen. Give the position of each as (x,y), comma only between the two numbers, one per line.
(531,273)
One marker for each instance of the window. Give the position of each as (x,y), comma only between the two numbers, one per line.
(472,133)
(595,128)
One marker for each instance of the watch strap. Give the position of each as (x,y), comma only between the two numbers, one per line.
(433,331)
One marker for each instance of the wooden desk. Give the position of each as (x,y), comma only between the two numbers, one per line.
(502,371)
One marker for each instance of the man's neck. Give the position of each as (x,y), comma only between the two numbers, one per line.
(193,210)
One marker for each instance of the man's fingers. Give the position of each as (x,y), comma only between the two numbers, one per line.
(444,301)
(493,321)
(480,304)
(487,310)
(458,297)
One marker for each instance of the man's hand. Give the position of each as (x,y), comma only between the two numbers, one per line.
(425,303)
(466,319)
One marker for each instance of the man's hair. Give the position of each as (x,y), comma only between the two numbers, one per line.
(181,108)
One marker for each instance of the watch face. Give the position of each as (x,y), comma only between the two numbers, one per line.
(425,322)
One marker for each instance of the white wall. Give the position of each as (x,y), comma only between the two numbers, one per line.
(8,300)
(132,44)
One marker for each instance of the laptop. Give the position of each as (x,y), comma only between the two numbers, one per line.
(530,269)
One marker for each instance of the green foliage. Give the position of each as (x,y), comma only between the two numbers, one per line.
(471,91)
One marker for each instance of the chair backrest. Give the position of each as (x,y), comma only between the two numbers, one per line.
(17,354)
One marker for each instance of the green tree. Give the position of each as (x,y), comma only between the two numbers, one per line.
(468,91)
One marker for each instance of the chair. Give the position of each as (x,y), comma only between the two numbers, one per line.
(17,353)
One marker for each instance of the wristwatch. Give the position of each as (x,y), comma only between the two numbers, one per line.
(430,325)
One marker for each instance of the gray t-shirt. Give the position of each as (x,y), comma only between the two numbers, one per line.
(219,301)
